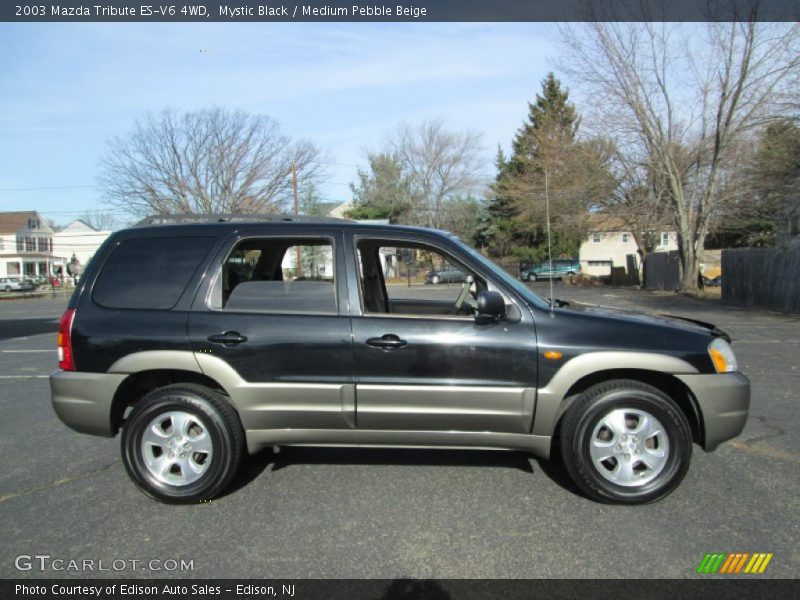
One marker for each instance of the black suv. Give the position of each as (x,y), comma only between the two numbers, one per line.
(203,340)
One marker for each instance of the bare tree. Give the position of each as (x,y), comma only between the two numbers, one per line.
(100,220)
(680,96)
(207,161)
(440,165)
(640,200)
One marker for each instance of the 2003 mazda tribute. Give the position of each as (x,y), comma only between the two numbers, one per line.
(205,339)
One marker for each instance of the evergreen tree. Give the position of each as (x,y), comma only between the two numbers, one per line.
(383,191)
(545,152)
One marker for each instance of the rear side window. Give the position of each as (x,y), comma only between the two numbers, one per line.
(149,273)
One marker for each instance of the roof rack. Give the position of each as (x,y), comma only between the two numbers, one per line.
(176,219)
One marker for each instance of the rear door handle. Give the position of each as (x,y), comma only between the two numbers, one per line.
(388,341)
(227,338)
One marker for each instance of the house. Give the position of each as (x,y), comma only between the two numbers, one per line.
(610,242)
(26,246)
(78,239)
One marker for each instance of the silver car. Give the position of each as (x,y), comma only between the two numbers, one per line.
(15,284)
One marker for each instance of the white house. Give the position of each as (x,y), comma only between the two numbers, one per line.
(79,239)
(26,246)
(610,242)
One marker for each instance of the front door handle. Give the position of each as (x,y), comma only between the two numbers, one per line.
(227,338)
(388,341)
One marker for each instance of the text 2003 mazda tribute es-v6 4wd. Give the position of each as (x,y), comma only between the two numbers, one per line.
(202,339)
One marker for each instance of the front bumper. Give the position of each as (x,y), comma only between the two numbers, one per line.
(83,400)
(724,401)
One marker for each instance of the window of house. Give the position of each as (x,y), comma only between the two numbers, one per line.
(33,223)
(277,275)
(596,238)
(665,238)
(625,237)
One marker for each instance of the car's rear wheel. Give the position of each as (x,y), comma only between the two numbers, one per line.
(182,443)
(533,277)
(626,442)
(436,280)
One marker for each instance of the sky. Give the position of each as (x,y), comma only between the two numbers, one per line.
(66,89)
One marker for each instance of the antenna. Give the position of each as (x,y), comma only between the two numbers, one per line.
(549,242)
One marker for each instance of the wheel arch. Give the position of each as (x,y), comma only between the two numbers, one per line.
(139,384)
(665,382)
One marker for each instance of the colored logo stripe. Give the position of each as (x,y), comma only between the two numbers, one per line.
(733,563)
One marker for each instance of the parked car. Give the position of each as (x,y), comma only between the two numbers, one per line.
(560,268)
(15,284)
(447,274)
(196,370)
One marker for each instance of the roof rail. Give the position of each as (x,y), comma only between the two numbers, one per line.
(176,219)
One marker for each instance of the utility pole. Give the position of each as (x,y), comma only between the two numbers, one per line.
(298,263)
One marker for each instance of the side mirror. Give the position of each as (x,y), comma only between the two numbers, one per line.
(491,307)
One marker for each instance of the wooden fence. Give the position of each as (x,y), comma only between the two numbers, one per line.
(763,277)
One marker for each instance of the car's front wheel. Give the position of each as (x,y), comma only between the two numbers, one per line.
(626,442)
(533,277)
(435,280)
(182,443)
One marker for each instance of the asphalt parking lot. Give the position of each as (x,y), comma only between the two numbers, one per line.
(340,513)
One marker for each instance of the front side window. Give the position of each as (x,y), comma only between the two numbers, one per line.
(277,275)
(414,279)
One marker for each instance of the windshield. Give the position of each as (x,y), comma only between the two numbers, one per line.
(519,287)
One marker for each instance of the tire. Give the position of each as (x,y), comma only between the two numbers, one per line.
(191,417)
(604,420)
(533,277)
(436,280)
(8,288)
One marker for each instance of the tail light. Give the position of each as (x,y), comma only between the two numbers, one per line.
(66,361)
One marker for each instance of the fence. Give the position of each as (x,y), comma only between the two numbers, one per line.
(662,271)
(764,277)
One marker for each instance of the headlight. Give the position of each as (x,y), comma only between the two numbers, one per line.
(722,356)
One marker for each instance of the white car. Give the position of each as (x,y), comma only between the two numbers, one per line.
(15,284)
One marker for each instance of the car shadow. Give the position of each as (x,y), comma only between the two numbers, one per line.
(294,455)
(14,328)
(289,456)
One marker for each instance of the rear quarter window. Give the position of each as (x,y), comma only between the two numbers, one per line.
(149,273)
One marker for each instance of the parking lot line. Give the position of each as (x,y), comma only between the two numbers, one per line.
(22,351)
(24,376)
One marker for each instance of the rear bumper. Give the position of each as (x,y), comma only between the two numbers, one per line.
(83,400)
(724,401)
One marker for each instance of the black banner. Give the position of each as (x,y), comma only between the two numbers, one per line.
(400,10)
(397,589)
